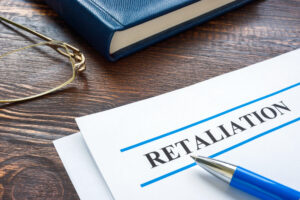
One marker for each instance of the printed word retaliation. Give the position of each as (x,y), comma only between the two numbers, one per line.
(212,136)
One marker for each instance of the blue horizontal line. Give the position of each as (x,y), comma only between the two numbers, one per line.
(209,118)
(219,153)
(168,174)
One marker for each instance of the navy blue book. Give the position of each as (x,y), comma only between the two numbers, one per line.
(117,28)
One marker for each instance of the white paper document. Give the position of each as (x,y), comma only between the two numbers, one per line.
(81,168)
(249,117)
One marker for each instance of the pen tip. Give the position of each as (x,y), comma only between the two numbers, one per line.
(218,168)
(193,157)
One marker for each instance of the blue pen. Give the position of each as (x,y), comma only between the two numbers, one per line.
(247,181)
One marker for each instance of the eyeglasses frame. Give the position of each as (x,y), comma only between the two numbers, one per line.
(76,58)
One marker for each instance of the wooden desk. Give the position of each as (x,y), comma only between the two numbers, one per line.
(29,165)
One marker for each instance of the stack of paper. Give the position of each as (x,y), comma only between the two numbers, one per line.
(249,117)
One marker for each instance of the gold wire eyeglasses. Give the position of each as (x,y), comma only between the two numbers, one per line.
(74,55)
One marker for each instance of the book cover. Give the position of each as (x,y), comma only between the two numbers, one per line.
(117,28)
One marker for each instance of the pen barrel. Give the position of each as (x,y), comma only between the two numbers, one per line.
(261,187)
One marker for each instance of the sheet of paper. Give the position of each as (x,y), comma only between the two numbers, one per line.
(81,168)
(250,117)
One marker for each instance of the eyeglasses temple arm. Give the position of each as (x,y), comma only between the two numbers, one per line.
(26,29)
(34,32)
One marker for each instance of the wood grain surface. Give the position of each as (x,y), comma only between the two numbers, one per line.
(29,165)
